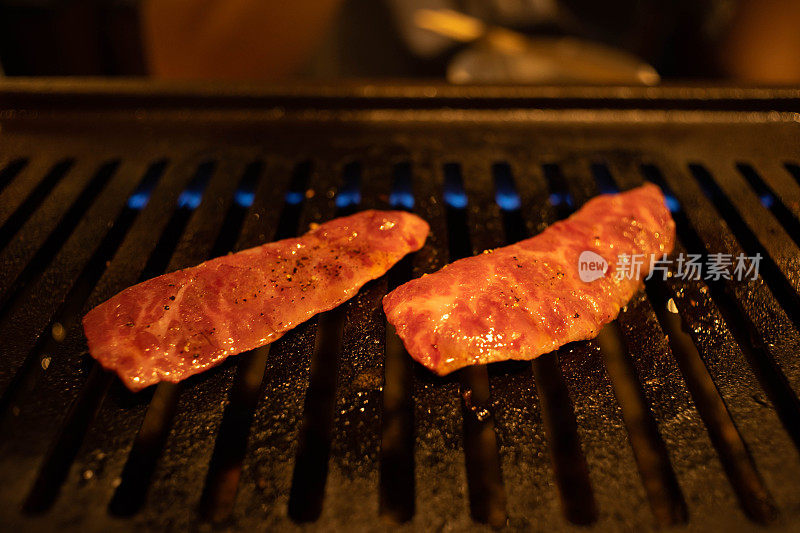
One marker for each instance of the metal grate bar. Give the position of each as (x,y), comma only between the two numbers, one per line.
(760,221)
(9,168)
(697,467)
(273,216)
(569,463)
(567,453)
(29,239)
(78,420)
(310,474)
(163,423)
(733,376)
(583,370)
(437,411)
(259,222)
(744,477)
(262,498)
(21,191)
(396,461)
(40,413)
(755,317)
(222,480)
(531,479)
(44,250)
(776,203)
(352,486)
(484,477)
(779,180)
(88,399)
(23,324)
(655,468)
(267,470)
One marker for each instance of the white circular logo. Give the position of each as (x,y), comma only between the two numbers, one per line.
(591,266)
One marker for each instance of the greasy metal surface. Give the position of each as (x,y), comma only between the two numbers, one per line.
(687,419)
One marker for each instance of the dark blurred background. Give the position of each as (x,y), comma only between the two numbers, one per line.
(535,41)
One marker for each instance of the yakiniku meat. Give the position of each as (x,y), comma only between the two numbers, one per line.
(176,325)
(527,299)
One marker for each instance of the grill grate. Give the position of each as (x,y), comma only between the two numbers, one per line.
(665,419)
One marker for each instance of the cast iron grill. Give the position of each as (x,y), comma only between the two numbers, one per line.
(683,411)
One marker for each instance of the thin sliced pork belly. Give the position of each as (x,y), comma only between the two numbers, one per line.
(527,299)
(170,327)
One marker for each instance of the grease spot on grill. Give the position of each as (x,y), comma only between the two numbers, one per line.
(58,332)
(671,307)
(481,413)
